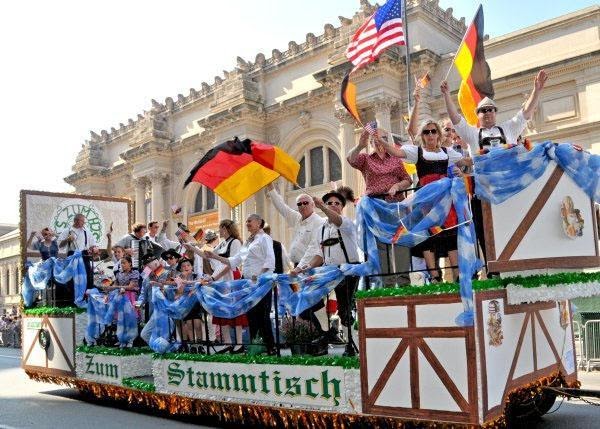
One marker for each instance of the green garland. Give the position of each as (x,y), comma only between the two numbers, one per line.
(134,383)
(54,311)
(345,362)
(113,351)
(559,279)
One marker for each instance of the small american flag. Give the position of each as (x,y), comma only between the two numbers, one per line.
(382,29)
(371,127)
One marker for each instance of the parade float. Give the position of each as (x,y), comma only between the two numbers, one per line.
(476,353)
(455,354)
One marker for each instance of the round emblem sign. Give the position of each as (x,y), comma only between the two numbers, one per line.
(44,339)
(66,211)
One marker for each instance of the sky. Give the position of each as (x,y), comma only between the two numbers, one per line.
(69,67)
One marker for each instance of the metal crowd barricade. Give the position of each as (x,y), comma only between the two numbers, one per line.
(577,341)
(590,344)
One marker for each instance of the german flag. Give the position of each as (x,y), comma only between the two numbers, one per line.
(237,169)
(434,230)
(399,233)
(348,98)
(473,69)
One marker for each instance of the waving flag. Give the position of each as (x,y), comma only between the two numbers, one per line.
(348,98)
(473,69)
(382,29)
(237,169)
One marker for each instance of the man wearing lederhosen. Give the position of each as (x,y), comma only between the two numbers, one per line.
(335,244)
(490,135)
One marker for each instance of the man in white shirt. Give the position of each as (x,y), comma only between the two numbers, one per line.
(77,237)
(304,220)
(335,244)
(490,134)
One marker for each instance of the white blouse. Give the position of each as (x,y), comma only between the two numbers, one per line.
(412,154)
(255,256)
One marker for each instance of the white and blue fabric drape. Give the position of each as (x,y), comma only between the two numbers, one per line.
(501,174)
(63,270)
(103,309)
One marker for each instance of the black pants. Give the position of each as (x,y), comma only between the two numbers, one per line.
(344,293)
(478,223)
(259,321)
(309,315)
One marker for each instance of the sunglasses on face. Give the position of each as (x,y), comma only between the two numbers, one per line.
(302,203)
(334,203)
(171,257)
(427,132)
(487,110)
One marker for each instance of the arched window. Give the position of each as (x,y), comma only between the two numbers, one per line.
(205,200)
(319,165)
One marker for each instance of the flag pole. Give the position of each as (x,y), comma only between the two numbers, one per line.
(405,25)
(460,44)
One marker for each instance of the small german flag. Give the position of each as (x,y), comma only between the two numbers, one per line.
(473,69)
(424,81)
(348,98)
(399,233)
(468,184)
(237,169)
(434,230)
(159,271)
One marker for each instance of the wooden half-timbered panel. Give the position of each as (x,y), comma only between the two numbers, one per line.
(416,363)
(519,344)
(59,357)
(534,230)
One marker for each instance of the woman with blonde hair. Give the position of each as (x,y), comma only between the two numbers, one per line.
(432,161)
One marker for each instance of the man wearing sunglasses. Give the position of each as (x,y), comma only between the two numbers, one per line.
(334,243)
(303,220)
(489,134)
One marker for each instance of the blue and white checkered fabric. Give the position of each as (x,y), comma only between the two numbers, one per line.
(63,270)
(503,173)
(101,311)
(378,220)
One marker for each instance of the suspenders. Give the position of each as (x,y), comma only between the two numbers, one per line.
(341,244)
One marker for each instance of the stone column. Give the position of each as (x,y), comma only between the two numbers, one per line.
(383,107)
(157,181)
(3,285)
(140,199)
(347,136)
(12,281)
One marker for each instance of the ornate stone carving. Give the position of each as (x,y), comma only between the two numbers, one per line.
(169,103)
(273,135)
(383,104)
(343,116)
(205,87)
(293,47)
(311,39)
(329,31)
(260,59)
(304,118)
(276,54)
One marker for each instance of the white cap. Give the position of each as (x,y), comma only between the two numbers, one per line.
(487,101)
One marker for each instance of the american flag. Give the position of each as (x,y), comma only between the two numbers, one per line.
(371,127)
(382,29)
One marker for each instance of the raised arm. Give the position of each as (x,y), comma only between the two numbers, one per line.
(333,217)
(291,216)
(391,148)
(363,141)
(29,240)
(413,122)
(450,106)
(534,98)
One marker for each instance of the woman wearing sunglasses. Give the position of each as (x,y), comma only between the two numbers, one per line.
(432,160)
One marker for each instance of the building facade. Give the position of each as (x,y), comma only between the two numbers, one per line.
(10,275)
(291,99)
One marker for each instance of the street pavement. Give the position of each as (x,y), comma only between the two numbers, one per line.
(29,404)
